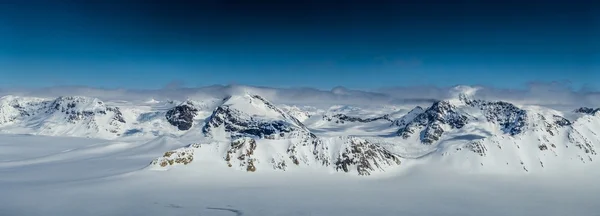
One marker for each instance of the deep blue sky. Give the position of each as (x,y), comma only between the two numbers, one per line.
(322,44)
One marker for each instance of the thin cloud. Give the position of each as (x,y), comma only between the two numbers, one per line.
(554,94)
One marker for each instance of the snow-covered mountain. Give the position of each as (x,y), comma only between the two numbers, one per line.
(255,134)
(90,117)
(252,116)
(247,132)
(80,116)
(504,135)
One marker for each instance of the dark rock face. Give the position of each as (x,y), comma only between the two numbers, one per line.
(431,121)
(561,121)
(182,116)
(367,157)
(239,127)
(511,118)
(587,110)
(342,118)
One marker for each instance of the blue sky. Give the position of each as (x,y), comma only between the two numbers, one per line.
(136,44)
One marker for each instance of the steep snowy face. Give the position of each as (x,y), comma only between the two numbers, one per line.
(14,109)
(409,117)
(253,116)
(432,123)
(550,142)
(71,116)
(81,113)
(301,113)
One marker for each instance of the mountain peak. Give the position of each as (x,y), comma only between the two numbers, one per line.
(253,105)
(463,93)
(253,115)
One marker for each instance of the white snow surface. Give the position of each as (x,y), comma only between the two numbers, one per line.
(83,156)
(79,176)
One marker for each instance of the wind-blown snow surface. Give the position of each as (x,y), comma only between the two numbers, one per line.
(245,155)
(74,176)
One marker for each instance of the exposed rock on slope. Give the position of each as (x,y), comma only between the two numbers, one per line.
(73,116)
(431,123)
(587,110)
(264,137)
(14,109)
(181,156)
(511,118)
(409,117)
(350,155)
(362,156)
(182,116)
(252,115)
(342,118)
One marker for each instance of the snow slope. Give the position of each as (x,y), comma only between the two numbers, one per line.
(79,176)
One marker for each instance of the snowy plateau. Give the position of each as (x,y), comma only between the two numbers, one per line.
(251,153)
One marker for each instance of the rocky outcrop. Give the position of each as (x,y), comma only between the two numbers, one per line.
(511,118)
(181,156)
(430,123)
(409,117)
(342,118)
(239,127)
(349,155)
(364,157)
(241,153)
(182,116)
(587,110)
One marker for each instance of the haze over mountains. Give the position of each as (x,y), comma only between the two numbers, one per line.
(343,130)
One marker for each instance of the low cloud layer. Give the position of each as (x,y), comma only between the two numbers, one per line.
(556,95)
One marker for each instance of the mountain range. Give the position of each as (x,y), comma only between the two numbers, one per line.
(248,132)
